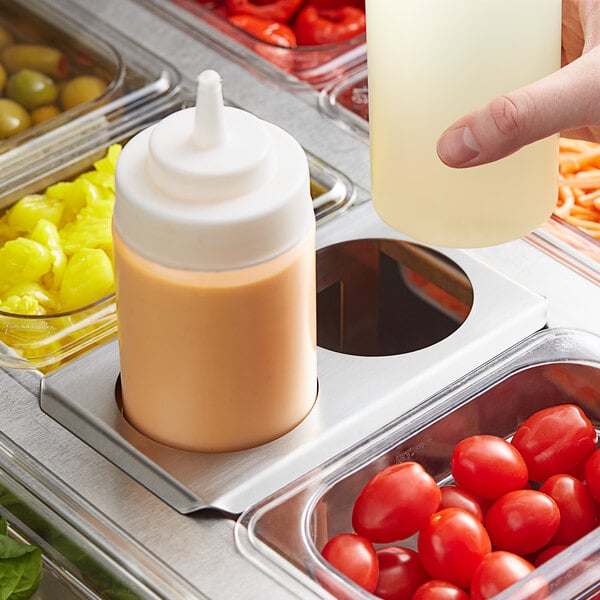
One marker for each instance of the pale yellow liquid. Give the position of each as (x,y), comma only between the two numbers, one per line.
(430,62)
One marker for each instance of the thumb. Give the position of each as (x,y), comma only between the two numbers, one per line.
(566,99)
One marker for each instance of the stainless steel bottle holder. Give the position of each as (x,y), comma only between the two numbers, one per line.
(360,390)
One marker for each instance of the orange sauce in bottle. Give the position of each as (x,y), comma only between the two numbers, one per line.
(229,359)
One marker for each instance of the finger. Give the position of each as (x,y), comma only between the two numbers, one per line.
(566,99)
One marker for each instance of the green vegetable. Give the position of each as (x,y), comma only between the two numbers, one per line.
(31,88)
(91,572)
(20,567)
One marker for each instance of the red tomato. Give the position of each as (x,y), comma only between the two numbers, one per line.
(452,544)
(436,589)
(497,571)
(522,521)
(395,503)
(456,497)
(488,466)
(485,504)
(547,553)
(555,440)
(355,557)
(578,511)
(592,475)
(400,573)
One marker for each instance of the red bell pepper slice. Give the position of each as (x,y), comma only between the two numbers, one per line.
(273,10)
(335,3)
(267,30)
(316,26)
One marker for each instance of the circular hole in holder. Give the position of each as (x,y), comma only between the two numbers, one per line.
(383,297)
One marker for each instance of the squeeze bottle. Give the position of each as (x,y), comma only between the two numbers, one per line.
(430,63)
(214,247)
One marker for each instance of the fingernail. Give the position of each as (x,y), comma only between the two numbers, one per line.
(457,146)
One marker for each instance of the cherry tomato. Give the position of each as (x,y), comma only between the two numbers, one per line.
(452,544)
(497,571)
(592,475)
(400,573)
(456,497)
(547,553)
(578,511)
(355,557)
(555,440)
(488,466)
(395,503)
(436,589)
(522,521)
(485,504)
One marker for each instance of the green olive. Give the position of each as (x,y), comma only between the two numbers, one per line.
(2,77)
(45,59)
(31,88)
(44,113)
(13,118)
(81,89)
(6,39)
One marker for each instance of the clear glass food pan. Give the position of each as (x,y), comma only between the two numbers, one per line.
(64,73)
(77,563)
(346,102)
(284,534)
(569,245)
(46,341)
(291,67)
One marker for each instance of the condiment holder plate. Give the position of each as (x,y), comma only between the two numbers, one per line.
(359,391)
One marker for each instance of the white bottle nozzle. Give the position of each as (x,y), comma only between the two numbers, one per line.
(209,118)
(212,187)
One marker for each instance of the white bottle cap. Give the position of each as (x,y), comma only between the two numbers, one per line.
(212,188)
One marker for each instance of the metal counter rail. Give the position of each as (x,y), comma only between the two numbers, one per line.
(169,554)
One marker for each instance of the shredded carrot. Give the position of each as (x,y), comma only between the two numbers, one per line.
(587,200)
(566,201)
(572,145)
(578,194)
(587,180)
(582,212)
(578,162)
(583,223)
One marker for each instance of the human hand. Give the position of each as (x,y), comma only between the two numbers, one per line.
(567,101)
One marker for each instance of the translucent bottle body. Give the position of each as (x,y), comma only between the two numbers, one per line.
(217,361)
(431,62)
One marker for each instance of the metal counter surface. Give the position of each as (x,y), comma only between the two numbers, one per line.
(195,556)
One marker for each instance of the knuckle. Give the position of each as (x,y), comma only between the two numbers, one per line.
(510,117)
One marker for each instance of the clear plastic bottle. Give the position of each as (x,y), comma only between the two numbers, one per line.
(214,241)
(431,62)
